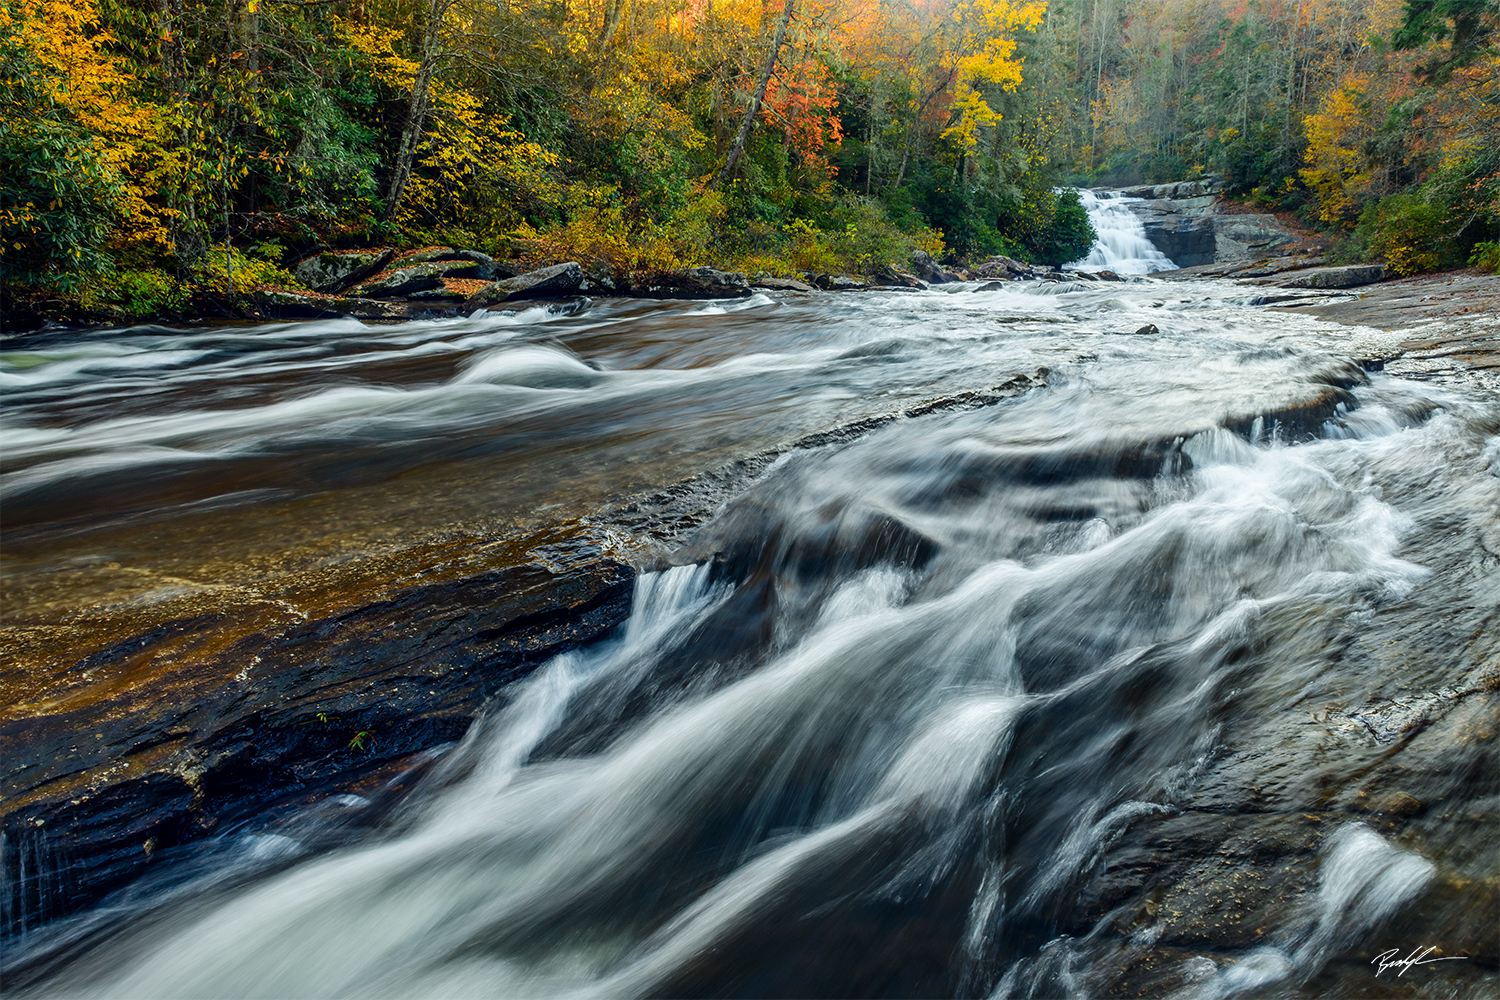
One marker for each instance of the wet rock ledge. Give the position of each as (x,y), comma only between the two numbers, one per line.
(125,737)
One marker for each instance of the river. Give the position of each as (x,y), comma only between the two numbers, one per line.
(1106,686)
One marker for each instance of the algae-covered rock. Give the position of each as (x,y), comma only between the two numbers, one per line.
(335,270)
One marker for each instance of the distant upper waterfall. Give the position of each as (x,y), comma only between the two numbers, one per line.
(1120,244)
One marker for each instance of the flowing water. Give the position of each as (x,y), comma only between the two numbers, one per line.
(1120,243)
(885,741)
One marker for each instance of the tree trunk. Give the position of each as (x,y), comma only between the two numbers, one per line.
(416,112)
(738,149)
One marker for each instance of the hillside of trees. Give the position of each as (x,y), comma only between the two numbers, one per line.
(156,154)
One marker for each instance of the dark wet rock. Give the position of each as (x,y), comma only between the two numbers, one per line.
(230,707)
(1108,276)
(782,284)
(1148,330)
(335,270)
(600,279)
(405,280)
(992,286)
(547,282)
(692,283)
(928,270)
(1085,276)
(886,276)
(273,303)
(839,283)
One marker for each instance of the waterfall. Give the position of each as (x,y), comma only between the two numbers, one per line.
(1120,244)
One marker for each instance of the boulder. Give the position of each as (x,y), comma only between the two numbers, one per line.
(888,277)
(1085,276)
(335,270)
(275,303)
(600,278)
(402,281)
(489,269)
(1338,277)
(782,284)
(928,270)
(430,255)
(992,286)
(544,283)
(693,283)
(1108,276)
(1147,330)
(839,283)
(1001,267)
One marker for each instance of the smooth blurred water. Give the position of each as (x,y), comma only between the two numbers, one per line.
(879,743)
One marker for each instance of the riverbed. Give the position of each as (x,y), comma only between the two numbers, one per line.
(958,642)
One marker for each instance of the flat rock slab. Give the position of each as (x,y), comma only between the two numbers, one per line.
(1351,276)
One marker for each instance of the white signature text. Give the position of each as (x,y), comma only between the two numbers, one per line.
(1390,960)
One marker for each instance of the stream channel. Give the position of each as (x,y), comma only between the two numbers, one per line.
(951,642)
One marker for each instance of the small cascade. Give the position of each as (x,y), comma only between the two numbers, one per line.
(1121,244)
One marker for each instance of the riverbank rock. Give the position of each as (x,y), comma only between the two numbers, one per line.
(335,270)
(276,303)
(403,280)
(886,276)
(928,270)
(782,284)
(548,282)
(487,268)
(150,727)
(839,283)
(692,283)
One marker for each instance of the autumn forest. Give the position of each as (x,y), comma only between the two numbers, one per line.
(157,154)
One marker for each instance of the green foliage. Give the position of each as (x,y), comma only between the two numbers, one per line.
(1410,233)
(58,204)
(1486,256)
(131,294)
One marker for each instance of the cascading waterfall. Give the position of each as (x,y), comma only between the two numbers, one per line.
(1120,242)
(883,733)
